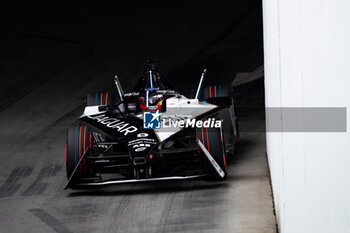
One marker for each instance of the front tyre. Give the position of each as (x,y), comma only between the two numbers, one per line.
(213,140)
(79,140)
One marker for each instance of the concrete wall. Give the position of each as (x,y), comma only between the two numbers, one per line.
(307,61)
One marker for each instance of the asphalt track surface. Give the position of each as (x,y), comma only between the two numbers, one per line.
(46,74)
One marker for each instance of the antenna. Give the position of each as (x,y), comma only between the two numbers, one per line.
(200,83)
(119,87)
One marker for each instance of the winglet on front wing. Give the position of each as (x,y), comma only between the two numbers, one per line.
(211,159)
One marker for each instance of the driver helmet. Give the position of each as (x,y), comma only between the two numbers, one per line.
(155,102)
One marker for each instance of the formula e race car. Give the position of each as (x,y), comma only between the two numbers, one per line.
(152,133)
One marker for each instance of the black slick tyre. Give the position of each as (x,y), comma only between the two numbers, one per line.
(79,139)
(101,99)
(213,140)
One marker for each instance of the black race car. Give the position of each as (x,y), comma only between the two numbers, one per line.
(152,133)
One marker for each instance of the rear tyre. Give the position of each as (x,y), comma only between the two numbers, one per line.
(237,139)
(218,90)
(230,123)
(228,130)
(79,139)
(213,140)
(101,98)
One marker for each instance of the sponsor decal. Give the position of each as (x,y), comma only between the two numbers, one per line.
(140,141)
(140,149)
(141,144)
(113,123)
(132,94)
(151,120)
(142,135)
